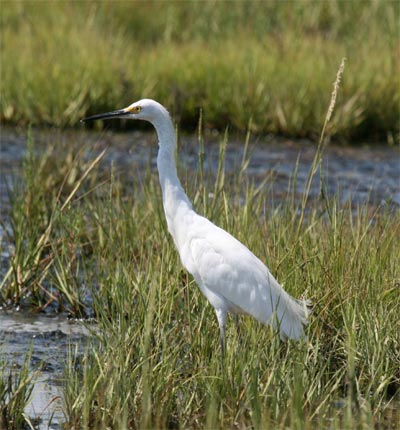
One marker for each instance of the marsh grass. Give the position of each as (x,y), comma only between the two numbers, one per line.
(154,360)
(265,61)
(16,385)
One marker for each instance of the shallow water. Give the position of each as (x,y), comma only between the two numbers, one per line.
(362,174)
(49,337)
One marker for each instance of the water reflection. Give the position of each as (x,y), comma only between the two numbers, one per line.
(50,337)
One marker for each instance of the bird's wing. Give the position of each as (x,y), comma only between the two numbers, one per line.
(228,268)
(225,266)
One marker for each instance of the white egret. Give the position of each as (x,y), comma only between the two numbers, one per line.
(231,277)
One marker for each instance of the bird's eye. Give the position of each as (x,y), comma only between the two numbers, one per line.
(134,109)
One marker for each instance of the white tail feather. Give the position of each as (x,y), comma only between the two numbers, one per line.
(294,318)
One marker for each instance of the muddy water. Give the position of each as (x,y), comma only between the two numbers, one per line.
(49,337)
(362,174)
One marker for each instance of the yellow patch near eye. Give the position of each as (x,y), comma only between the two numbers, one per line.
(134,109)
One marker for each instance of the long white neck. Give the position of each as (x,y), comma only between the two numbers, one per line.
(174,198)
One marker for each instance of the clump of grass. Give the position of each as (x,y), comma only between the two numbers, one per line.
(15,391)
(249,60)
(37,212)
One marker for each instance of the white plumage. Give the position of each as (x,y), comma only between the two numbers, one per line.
(231,277)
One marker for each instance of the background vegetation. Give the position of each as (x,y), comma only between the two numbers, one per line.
(268,62)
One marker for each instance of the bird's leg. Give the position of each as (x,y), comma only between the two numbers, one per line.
(221,316)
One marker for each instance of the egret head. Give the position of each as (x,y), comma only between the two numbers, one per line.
(146,109)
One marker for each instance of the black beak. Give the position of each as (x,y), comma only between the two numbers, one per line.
(115,114)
